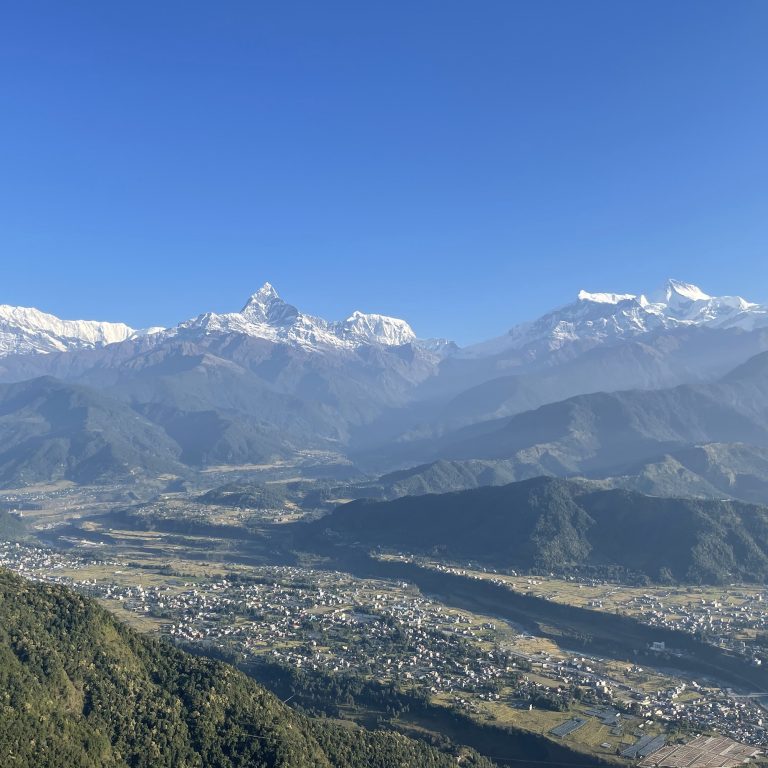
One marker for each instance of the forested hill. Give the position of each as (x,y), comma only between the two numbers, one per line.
(81,690)
(11,527)
(551,523)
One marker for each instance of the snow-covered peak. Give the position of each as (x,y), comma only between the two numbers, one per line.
(266,316)
(675,292)
(266,306)
(605,298)
(265,296)
(597,318)
(378,329)
(26,330)
(266,293)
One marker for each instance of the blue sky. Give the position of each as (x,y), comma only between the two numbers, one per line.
(463,165)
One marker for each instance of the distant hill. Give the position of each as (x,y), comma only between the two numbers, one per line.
(602,433)
(218,436)
(710,470)
(248,495)
(714,470)
(552,523)
(441,476)
(51,431)
(658,360)
(79,689)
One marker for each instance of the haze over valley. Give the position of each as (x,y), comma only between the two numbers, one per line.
(666,395)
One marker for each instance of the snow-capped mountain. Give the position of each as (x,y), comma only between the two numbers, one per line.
(267,316)
(25,330)
(593,319)
(251,386)
(596,318)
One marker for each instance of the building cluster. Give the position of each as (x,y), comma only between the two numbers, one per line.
(719,621)
(387,631)
(42,564)
(337,625)
(689,704)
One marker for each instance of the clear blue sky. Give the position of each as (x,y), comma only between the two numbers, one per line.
(465,165)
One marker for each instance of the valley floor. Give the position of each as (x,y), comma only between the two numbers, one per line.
(381,650)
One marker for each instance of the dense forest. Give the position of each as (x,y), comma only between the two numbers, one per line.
(554,524)
(79,689)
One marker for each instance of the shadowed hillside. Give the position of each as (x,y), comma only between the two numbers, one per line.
(551,523)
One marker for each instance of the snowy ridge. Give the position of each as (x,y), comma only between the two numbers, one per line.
(597,318)
(378,329)
(604,298)
(593,319)
(25,330)
(266,316)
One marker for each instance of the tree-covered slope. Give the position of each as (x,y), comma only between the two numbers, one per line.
(51,431)
(250,495)
(711,470)
(553,523)
(708,470)
(79,689)
(441,476)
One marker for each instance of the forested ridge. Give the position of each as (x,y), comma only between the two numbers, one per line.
(552,524)
(80,689)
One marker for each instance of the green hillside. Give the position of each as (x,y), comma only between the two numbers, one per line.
(79,689)
(51,431)
(552,523)
(709,470)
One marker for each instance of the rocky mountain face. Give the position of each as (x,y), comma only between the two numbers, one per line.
(264,316)
(594,319)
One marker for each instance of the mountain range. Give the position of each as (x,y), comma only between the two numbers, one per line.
(604,317)
(51,431)
(585,432)
(593,319)
(265,315)
(613,386)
